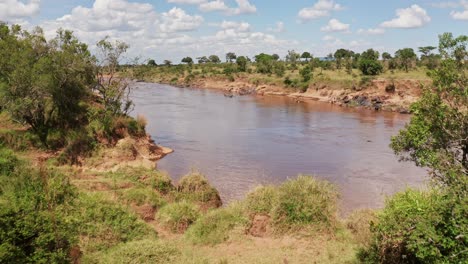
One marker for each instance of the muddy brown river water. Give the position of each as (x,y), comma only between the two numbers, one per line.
(243,142)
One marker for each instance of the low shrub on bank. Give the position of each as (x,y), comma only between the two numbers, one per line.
(141,251)
(157,180)
(262,200)
(420,227)
(215,226)
(195,187)
(105,223)
(8,162)
(141,196)
(36,222)
(178,216)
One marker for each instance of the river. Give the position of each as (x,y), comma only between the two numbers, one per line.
(246,141)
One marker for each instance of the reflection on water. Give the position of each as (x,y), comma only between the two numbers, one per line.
(241,142)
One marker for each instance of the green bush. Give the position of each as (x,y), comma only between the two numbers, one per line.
(305,202)
(146,177)
(370,67)
(215,226)
(178,216)
(262,200)
(141,196)
(36,221)
(195,187)
(8,161)
(420,227)
(104,223)
(141,252)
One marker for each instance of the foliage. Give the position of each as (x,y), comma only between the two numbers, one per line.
(214,59)
(215,226)
(152,63)
(420,227)
(370,67)
(230,57)
(141,251)
(261,200)
(242,63)
(43,84)
(306,73)
(195,187)
(437,135)
(406,57)
(145,195)
(187,60)
(8,162)
(303,202)
(36,225)
(114,91)
(104,223)
(178,216)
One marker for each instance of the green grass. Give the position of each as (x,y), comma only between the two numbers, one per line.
(216,226)
(194,187)
(141,196)
(178,216)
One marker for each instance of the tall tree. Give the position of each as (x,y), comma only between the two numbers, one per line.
(214,59)
(230,57)
(406,57)
(437,135)
(242,63)
(187,60)
(306,55)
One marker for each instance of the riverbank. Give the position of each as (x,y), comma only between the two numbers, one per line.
(389,92)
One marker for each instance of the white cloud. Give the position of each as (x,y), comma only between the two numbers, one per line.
(190,2)
(411,17)
(278,29)
(334,25)
(239,26)
(371,31)
(176,20)
(461,15)
(243,6)
(14,9)
(211,6)
(322,8)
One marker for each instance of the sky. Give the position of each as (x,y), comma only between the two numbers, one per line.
(173,29)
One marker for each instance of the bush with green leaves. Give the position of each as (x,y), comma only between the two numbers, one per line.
(178,216)
(140,251)
(103,223)
(216,226)
(420,227)
(370,67)
(36,220)
(194,187)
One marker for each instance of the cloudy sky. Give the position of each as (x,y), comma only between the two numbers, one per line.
(172,29)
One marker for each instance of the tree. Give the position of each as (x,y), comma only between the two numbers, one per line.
(152,63)
(42,84)
(369,64)
(114,92)
(275,57)
(187,60)
(242,63)
(230,57)
(406,57)
(306,73)
(214,59)
(370,54)
(167,62)
(370,67)
(262,57)
(386,56)
(437,135)
(340,55)
(426,50)
(450,47)
(292,57)
(203,59)
(306,55)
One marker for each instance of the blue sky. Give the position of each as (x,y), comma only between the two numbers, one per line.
(172,29)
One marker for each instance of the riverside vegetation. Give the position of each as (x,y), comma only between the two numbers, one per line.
(64,115)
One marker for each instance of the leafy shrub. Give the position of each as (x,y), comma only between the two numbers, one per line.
(420,227)
(8,161)
(262,200)
(305,202)
(178,216)
(195,187)
(147,177)
(141,251)
(104,223)
(141,196)
(36,224)
(359,223)
(215,226)
(370,67)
